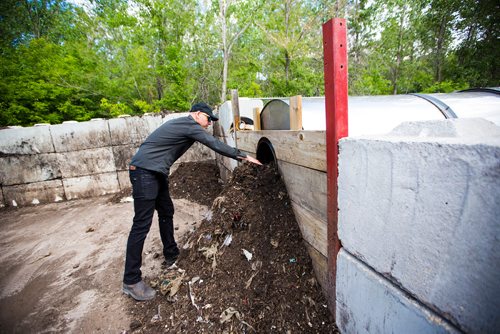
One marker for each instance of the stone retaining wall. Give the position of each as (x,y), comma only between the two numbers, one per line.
(45,164)
(419,224)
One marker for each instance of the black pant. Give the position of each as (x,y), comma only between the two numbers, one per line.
(150,192)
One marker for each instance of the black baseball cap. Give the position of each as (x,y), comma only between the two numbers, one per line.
(205,108)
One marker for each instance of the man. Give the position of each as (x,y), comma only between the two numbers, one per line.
(149,170)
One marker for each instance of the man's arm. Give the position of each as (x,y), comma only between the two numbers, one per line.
(206,139)
(252,160)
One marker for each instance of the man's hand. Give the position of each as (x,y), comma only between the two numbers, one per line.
(252,160)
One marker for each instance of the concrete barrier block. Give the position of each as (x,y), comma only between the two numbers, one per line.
(368,303)
(19,169)
(2,202)
(197,152)
(172,116)
(460,127)
(32,140)
(119,132)
(91,185)
(411,208)
(132,130)
(80,136)
(124,180)
(151,123)
(87,162)
(122,155)
(34,193)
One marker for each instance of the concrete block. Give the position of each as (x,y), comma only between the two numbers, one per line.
(368,303)
(91,185)
(87,162)
(132,130)
(122,155)
(424,212)
(225,166)
(19,169)
(458,128)
(2,202)
(172,116)
(32,140)
(33,193)
(124,180)
(80,136)
(197,152)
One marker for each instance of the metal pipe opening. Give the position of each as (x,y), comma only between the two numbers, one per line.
(265,152)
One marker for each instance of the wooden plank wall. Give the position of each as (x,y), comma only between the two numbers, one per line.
(301,157)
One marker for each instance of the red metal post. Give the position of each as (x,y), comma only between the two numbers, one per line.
(335,67)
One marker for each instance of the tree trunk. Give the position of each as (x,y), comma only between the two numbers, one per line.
(224,78)
(438,76)
(159,88)
(222,15)
(399,54)
(287,66)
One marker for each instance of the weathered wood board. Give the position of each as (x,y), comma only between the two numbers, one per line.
(306,187)
(312,227)
(320,266)
(304,148)
(301,157)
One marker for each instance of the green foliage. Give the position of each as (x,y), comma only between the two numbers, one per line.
(142,107)
(445,87)
(114,109)
(61,62)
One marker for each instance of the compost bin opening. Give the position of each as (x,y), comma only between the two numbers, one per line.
(265,152)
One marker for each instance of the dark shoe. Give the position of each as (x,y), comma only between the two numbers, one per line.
(139,291)
(169,261)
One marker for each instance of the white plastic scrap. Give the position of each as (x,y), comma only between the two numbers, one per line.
(228,240)
(247,254)
(228,313)
(126,199)
(157,316)
(191,297)
(208,215)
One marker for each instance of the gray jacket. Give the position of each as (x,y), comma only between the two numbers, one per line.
(172,139)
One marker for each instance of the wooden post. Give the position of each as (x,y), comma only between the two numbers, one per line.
(235,105)
(296,112)
(335,71)
(256,119)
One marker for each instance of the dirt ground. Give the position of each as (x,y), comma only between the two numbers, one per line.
(243,267)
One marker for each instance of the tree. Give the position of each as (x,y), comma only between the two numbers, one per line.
(478,53)
(234,18)
(293,48)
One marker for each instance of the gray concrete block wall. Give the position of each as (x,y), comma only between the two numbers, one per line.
(133,130)
(33,193)
(29,168)
(122,155)
(75,160)
(123,180)
(91,185)
(422,211)
(80,136)
(33,140)
(367,303)
(87,162)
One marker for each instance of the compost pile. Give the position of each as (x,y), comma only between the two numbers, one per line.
(195,181)
(245,269)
